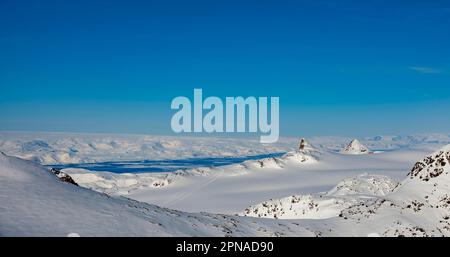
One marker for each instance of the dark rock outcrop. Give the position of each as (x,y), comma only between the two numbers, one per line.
(63,176)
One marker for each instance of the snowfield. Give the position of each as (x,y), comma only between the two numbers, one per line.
(34,202)
(316,191)
(233,188)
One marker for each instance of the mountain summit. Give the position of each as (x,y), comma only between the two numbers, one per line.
(355,147)
(305,146)
(432,166)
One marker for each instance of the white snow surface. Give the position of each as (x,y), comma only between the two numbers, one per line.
(318,191)
(324,205)
(34,202)
(231,189)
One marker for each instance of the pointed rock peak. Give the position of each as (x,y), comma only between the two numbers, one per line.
(432,166)
(355,147)
(355,142)
(305,147)
(304,144)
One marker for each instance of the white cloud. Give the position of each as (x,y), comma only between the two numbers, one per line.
(425,70)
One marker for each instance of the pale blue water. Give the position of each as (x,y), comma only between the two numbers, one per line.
(163,165)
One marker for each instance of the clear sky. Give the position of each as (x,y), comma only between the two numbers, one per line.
(351,68)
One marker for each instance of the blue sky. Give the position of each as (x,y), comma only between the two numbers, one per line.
(351,68)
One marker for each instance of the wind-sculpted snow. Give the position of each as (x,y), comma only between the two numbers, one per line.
(324,205)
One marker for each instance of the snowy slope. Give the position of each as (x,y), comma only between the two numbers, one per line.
(419,206)
(34,202)
(324,205)
(361,205)
(231,189)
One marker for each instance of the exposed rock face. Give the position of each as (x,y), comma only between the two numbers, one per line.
(305,147)
(63,176)
(355,147)
(432,166)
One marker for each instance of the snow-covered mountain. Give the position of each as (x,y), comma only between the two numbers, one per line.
(238,186)
(63,148)
(418,206)
(385,142)
(324,205)
(34,201)
(355,147)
